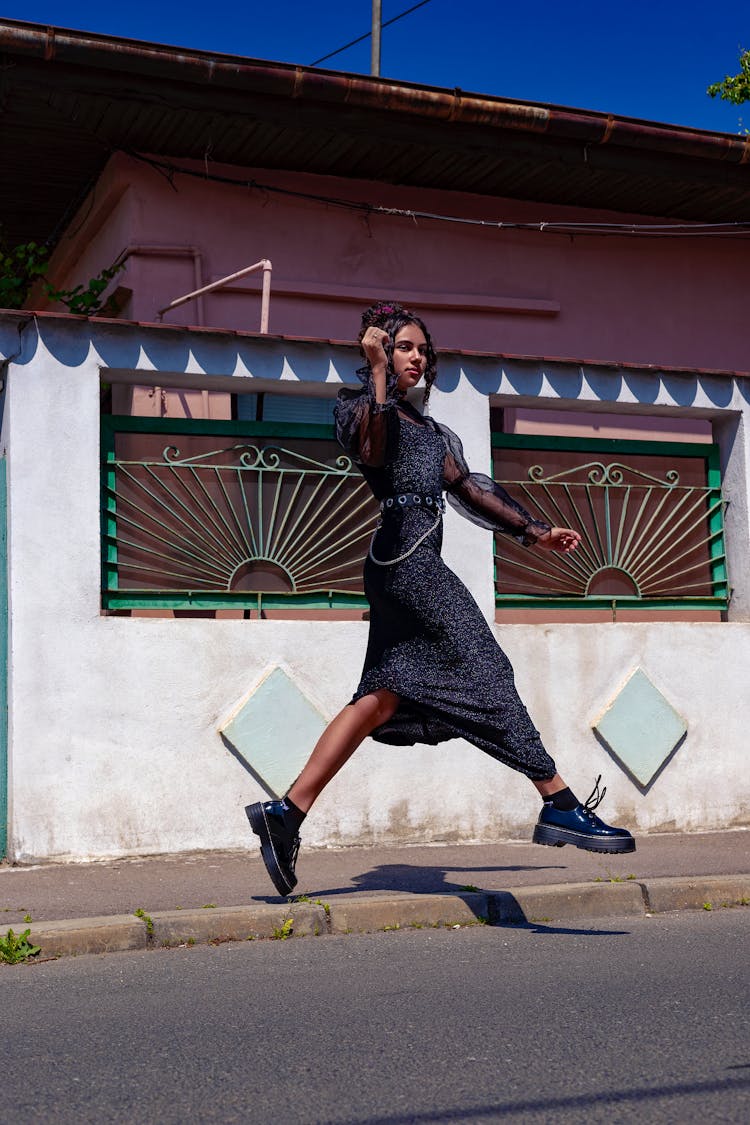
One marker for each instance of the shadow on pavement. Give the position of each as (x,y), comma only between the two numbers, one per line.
(407,879)
(421,880)
(561,931)
(550,1106)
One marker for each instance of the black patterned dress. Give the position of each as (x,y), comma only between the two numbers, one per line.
(429,642)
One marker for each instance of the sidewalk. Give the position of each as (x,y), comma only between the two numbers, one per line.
(227,895)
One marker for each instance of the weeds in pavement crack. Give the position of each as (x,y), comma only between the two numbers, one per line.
(141,913)
(16,948)
(313,902)
(285,930)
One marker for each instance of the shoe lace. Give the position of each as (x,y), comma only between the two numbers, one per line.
(595,797)
(294,851)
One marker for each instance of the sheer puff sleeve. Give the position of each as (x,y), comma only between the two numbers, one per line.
(368,430)
(479,499)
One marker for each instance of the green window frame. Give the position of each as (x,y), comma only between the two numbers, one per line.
(303,496)
(621,512)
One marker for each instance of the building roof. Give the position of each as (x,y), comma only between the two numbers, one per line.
(19,319)
(70,99)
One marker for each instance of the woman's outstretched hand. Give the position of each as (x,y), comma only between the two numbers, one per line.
(562,539)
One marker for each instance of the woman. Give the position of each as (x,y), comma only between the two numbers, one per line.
(433,669)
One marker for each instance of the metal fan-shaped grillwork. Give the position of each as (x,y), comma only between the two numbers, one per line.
(643,536)
(243,519)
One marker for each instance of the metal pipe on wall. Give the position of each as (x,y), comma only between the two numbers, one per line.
(264,264)
(155,250)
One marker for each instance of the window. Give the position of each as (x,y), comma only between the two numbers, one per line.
(236,517)
(264,407)
(651,519)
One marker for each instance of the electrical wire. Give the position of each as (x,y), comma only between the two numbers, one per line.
(367,35)
(734,228)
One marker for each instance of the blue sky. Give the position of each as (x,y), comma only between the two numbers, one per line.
(645,58)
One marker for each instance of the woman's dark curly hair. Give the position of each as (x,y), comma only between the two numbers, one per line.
(392,317)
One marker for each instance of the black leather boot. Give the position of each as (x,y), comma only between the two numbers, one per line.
(581,828)
(279,842)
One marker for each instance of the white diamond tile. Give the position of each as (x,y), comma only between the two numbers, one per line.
(641,728)
(274,730)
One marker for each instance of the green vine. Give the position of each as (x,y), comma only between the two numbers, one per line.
(85,300)
(19,269)
(27,263)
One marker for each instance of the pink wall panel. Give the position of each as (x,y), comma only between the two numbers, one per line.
(676,302)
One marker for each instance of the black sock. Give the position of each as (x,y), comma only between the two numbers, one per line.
(563,799)
(294,815)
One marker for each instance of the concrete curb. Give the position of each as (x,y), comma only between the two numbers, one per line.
(569,902)
(108,934)
(365,915)
(695,893)
(237,923)
(565,902)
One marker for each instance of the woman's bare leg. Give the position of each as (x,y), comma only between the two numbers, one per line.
(338,742)
(341,738)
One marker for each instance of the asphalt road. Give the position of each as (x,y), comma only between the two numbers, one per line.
(643,1021)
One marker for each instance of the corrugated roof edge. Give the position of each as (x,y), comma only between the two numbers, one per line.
(28,315)
(288,80)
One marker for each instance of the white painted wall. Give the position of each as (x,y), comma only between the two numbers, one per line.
(113,721)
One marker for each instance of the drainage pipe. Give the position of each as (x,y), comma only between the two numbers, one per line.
(154,250)
(265,300)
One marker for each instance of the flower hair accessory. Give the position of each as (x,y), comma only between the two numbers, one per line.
(383,310)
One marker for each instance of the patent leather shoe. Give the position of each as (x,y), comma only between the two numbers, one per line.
(581,828)
(279,842)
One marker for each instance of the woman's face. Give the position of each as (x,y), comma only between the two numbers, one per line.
(409,356)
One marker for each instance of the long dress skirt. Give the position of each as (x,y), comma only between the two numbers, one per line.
(428,641)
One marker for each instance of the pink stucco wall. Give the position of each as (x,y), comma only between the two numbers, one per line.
(676,301)
(582,423)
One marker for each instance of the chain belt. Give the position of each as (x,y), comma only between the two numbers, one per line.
(432,503)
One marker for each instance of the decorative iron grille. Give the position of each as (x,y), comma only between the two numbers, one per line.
(258,519)
(650,518)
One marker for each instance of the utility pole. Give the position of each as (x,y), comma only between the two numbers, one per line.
(375,38)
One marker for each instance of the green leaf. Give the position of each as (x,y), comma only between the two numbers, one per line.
(85,300)
(17,948)
(735,88)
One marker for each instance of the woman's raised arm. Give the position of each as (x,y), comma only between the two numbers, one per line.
(366,422)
